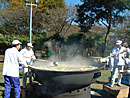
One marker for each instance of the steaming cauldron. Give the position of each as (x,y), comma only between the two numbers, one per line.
(65,80)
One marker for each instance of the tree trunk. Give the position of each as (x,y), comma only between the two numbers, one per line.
(107,34)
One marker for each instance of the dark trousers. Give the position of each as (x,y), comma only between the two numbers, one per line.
(16,84)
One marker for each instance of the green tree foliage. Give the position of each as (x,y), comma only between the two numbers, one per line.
(95,40)
(123,30)
(76,38)
(103,12)
(16,17)
(50,5)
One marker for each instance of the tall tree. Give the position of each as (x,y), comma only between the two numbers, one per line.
(102,12)
(123,30)
(15,16)
(58,22)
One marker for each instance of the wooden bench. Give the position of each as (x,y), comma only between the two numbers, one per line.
(118,92)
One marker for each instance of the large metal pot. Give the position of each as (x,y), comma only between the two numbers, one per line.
(67,80)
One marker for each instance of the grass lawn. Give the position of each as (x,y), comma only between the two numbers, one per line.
(1,82)
(96,86)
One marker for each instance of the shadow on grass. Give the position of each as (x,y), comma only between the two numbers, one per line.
(105,83)
(2,84)
(102,93)
(1,90)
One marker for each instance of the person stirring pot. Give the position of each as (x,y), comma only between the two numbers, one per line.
(119,63)
(29,56)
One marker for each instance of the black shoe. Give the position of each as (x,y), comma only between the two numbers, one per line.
(119,85)
(111,85)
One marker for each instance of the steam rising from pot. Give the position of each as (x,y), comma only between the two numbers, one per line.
(66,56)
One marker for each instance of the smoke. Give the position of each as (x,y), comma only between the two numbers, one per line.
(49,45)
(70,54)
(79,60)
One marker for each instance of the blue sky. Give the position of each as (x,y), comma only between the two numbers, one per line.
(68,2)
(72,2)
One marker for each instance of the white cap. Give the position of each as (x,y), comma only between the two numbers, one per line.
(29,44)
(118,42)
(16,42)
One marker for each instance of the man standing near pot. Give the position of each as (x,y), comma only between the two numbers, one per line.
(111,65)
(11,69)
(29,56)
(119,63)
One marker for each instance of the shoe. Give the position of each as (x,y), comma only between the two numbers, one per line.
(111,85)
(119,85)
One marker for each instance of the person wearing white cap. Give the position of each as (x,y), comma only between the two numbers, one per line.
(11,69)
(111,65)
(29,56)
(119,53)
